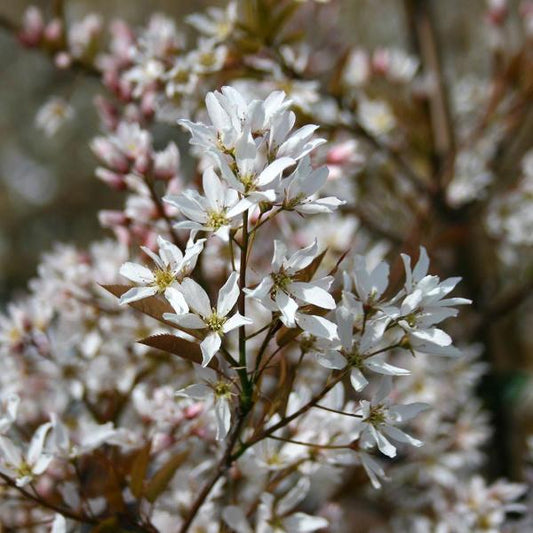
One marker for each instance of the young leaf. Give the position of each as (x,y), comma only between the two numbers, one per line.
(164,476)
(183,348)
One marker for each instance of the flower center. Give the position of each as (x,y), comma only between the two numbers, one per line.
(217,219)
(163,279)
(215,323)
(222,389)
(248,181)
(376,415)
(281,279)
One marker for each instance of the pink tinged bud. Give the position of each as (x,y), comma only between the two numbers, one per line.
(45,486)
(32,27)
(63,60)
(53,32)
(148,104)
(166,163)
(161,441)
(143,163)
(497,13)
(193,411)
(114,180)
(123,235)
(341,153)
(107,112)
(109,154)
(124,90)
(109,218)
(381,62)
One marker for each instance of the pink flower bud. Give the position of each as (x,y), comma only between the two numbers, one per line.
(109,218)
(161,441)
(32,27)
(53,32)
(62,60)
(193,411)
(381,62)
(109,154)
(114,180)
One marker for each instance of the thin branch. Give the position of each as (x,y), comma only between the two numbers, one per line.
(46,504)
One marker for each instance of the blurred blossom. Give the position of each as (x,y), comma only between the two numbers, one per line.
(52,115)
(26,179)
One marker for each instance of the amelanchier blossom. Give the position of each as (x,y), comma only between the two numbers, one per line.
(214,320)
(171,267)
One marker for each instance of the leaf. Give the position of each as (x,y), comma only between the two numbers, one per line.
(138,470)
(183,348)
(163,476)
(154,307)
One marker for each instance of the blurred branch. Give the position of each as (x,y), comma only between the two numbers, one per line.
(508,301)
(424,39)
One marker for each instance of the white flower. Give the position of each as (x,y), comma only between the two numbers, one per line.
(171,267)
(376,116)
(213,319)
(425,305)
(298,190)
(217,23)
(52,115)
(216,212)
(379,419)
(356,352)
(282,291)
(215,390)
(24,468)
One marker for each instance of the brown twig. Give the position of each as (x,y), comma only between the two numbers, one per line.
(48,505)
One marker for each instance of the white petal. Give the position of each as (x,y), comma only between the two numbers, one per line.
(422,265)
(198,391)
(400,436)
(236,321)
(358,380)
(236,519)
(228,295)
(209,347)
(169,252)
(187,321)
(384,445)
(378,364)
(196,297)
(287,306)
(312,294)
(433,335)
(331,359)
(136,273)
(176,300)
(37,443)
(223,418)
(317,326)
(11,453)
(137,293)
(302,522)
(273,170)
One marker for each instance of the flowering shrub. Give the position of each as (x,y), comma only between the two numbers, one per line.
(250,350)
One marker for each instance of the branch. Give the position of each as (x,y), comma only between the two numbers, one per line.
(48,505)
(424,40)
